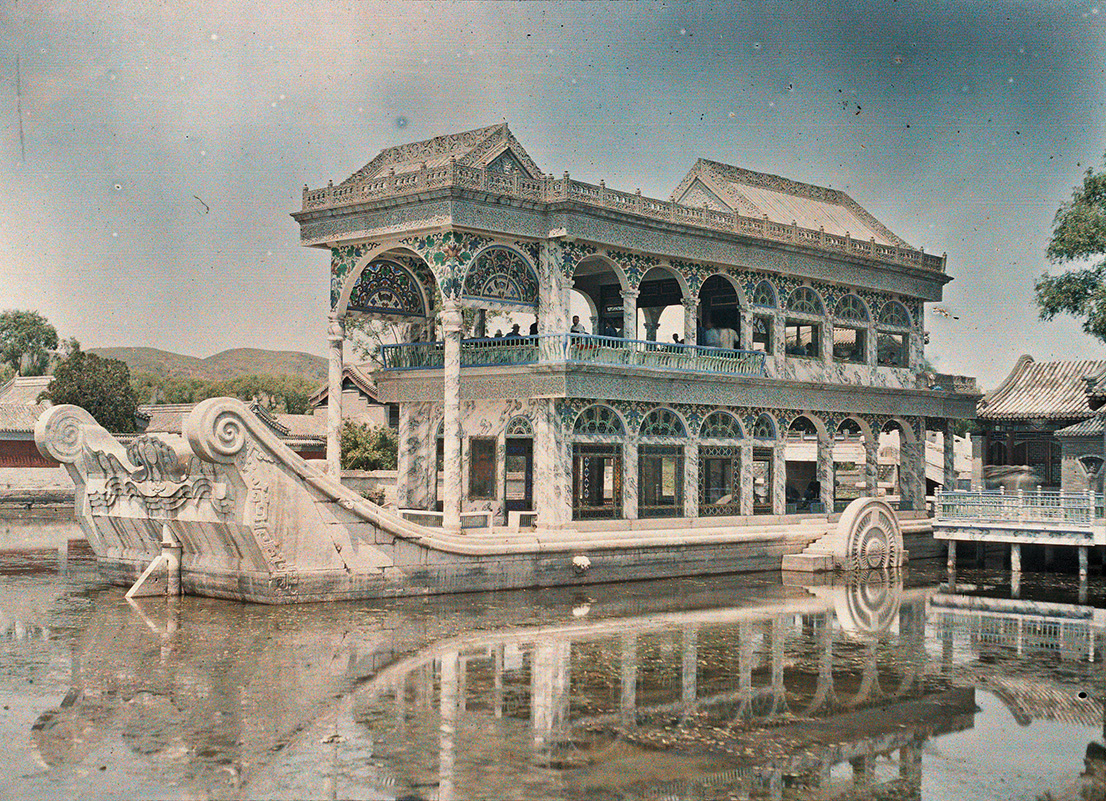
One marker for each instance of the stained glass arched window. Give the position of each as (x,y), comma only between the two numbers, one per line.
(598,420)
(387,287)
(519,427)
(852,308)
(805,300)
(721,425)
(894,315)
(663,423)
(764,428)
(764,294)
(501,274)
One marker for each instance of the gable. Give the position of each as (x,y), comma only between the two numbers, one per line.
(699,195)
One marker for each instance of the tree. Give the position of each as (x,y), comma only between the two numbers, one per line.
(26,341)
(366,447)
(102,387)
(1078,234)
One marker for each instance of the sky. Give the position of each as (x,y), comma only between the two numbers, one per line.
(151,153)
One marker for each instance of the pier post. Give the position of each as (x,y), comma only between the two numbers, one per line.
(952,555)
(452,323)
(336,337)
(950,457)
(1083,555)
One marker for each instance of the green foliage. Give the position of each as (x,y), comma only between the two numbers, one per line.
(277,393)
(6,373)
(100,386)
(1079,232)
(26,341)
(366,447)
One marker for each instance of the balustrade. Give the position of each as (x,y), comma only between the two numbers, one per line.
(552,190)
(1070,508)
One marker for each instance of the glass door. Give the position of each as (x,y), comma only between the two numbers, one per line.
(596,481)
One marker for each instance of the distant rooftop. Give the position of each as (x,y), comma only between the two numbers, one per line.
(1042,391)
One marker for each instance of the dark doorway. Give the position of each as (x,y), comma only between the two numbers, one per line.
(518,471)
(596,481)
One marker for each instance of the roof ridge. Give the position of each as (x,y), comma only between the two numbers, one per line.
(425,147)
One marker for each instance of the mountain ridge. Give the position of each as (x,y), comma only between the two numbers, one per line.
(225,364)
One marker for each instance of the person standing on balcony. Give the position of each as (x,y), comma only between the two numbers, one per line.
(534,328)
(577,328)
(711,338)
(727,338)
(513,334)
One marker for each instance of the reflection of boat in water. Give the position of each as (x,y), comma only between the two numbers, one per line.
(674,687)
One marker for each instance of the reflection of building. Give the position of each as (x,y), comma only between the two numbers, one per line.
(812,309)
(1020,419)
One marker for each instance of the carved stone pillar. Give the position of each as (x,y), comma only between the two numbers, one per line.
(827,340)
(629,315)
(336,337)
(779,344)
(779,479)
(404,456)
(745,480)
(691,321)
(552,469)
(553,294)
(825,470)
(629,480)
(950,457)
(871,465)
(691,479)
(451,501)
(745,335)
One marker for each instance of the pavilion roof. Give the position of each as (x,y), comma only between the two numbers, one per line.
(1042,391)
(723,187)
(357,375)
(24,389)
(481,147)
(1091,427)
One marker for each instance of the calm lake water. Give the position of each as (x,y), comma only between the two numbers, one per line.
(734,687)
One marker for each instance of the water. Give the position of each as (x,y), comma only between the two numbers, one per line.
(731,687)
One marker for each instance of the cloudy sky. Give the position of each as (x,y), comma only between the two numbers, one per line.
(160,147)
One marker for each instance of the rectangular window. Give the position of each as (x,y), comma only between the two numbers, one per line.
(803,339)
(850,345)
(762,481)
(762,334)
(482,468)
(660,481)
(891,350)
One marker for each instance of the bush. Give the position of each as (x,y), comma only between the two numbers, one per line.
(366,447)
(100,386)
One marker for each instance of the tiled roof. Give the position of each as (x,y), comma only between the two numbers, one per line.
(19,416)
(478,147)
(724,187)
(167,418)
(24,389)
(358,375)
(1091,427)
(1096,390)
(1042,391)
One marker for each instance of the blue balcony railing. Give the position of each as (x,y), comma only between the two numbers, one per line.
(576,349)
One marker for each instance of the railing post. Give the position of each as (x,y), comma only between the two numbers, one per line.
(1021,505)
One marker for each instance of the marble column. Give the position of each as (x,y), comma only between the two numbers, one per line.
(405,455)
(629,479)
(691,479)
(977,461)
(629,314)
(950,457)
(827,341)
(779,344)
(451,500)
(918,462)
(745,480)
(779,479)
(554,292)
(691,321)
(336,337)
(652,323)
(552,468)
(825,470)
(745,335)
(871,465)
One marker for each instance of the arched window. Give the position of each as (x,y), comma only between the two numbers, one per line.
(663,423)
(894,315)
(852,309)
(502,275)
(805,300)
(519,427)
(764,294)
(764,428)
(721,425)
(598,420)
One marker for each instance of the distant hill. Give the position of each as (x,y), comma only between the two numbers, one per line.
(228,364)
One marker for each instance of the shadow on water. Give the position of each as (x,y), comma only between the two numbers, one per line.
(759,686)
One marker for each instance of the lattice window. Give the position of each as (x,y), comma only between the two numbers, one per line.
(894,315)
(519,427)
(387,287)
(721,425)
(598,420)
(764,295)
(501,274)
(764,428)
(662,423)
(805,300)
(852,308)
